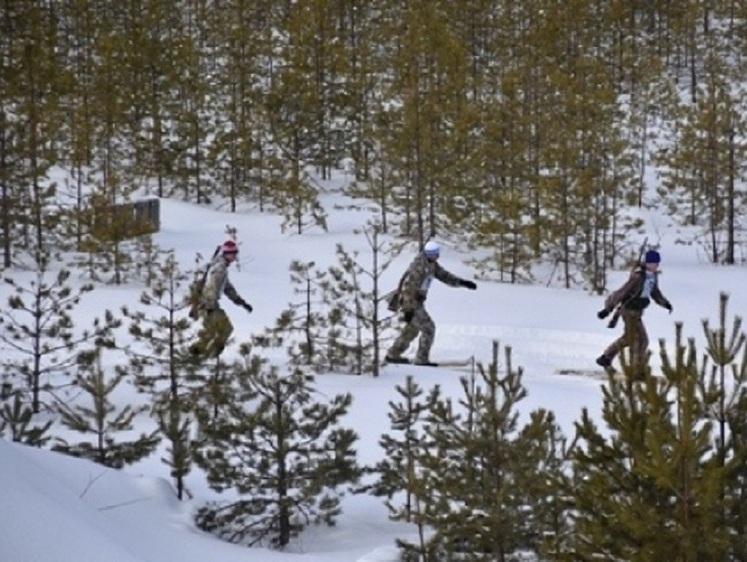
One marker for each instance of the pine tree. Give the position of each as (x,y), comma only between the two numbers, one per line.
(488,184)
(542,453)
(10,196)
(176,427)
(78,42)
(723,349)
(472,487)
(156,65)
(283,454)
(724,375)
(164,332)
(652,489)
(353,293)
(700,170)
(421,135)
(11,161)
(37,86)
(116,241)
(17,421)
(358,30)
(159,365)
(101,420)
(245,33)
(292,107)
(302,326)
(344,300)
(401,471)
(104,246)
(38,327)
(398,471)
(147,256)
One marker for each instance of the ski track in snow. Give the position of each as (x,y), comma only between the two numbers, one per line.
(539,351)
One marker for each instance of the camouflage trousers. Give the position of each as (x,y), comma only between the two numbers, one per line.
(214,334)
(634,336)
(422,324)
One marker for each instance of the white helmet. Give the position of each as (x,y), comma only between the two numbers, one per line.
(432,249)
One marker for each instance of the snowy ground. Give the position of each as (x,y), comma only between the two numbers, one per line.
(59,509)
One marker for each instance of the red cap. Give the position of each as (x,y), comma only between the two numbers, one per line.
(229,247)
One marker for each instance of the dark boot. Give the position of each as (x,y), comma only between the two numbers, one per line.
(425,362)
(391,359)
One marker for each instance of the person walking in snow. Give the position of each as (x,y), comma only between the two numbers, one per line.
(633,298)
(413,291)
(216,327)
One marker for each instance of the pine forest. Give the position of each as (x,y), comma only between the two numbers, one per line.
(525,132)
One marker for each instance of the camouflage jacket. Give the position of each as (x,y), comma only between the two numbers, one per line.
(629,295)
(417,280)
(217,284)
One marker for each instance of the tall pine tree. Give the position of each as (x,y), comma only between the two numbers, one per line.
(38,327)
(158,362)
(651,486)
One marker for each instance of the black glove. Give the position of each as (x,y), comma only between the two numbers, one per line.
(604,313)
(407,315)
(468,284)
(669,307)
(243,304)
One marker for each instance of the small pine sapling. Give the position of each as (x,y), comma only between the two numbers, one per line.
(101,420)
(285,456)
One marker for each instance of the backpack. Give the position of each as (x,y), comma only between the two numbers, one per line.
(195,290)
(394,300)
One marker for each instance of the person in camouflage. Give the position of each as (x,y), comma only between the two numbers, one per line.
(412,294)
(216,327)
(633,298)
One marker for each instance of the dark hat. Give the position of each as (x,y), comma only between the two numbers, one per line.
(652,256)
